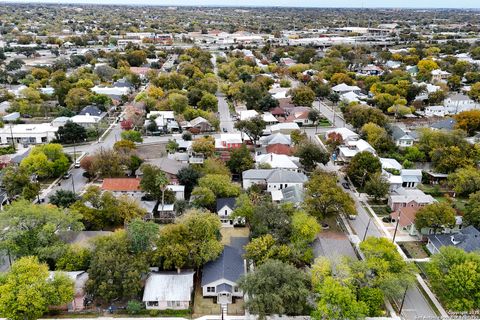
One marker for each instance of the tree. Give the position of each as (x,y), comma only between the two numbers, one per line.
(154,181)
(124,146)
(204,145)
(107,164)
(77,98)
(203,197)
(208,102)
(314,116)
(240,160)
(132,135)
(310,154)
(27,290)
(474,92)
(72,258)
(273,219)
(46,161)
(188,177)
(136,58)
(471,214)
(220,184)
(28,229)
(177,102)
(115,272)
(142,235)
(377,186)
(253,128)
(71,133)
(15,180)
(338,302)
(465,181)
(468,121)
(63,198)
(302,96)
(275,288)
(358,115)
(191,242)
(436,216)
(324,198)
(362,167)
(263,248)
(455,278)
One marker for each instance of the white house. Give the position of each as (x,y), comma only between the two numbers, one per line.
(285,127)
(440,75)
(351,148)
(458,102)
(28,133)
(111,91)
(273,179)
(344,88)
(345,133)
(411,178)
(225,207)
(86,121)
(401,137)
(168,290)
(437,111)
(220,277)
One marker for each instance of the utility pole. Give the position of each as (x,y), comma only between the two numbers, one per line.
(74,161)
(396,226)
(403,300)
(11,135)
(366,230)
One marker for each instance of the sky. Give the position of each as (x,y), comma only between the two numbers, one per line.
(284,3)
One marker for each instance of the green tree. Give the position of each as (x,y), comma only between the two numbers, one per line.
(377,186)
(106,164)
(204,145)
(240,160)
(154,181)
(132,135)
(136,58)
(362,167)
(63,198)
(27,290)
(465,181)
(253,128)
(275,288)
(468,121)
(436,216)
(471,214)
(77,98)
(142,235)
(220,184)
(315,116)
(71,133)
(188,177)
(302,96)
(358,115)
(208,102)
(27,229)
(263,248)
(324,198)
(46,160)
(73,258)
(310,155)
(177,102)
(115,272)
(191,242)
(15,180)
(338,302)
(474,92)
(455,278)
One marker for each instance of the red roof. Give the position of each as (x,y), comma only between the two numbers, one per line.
(279,148)
(121,184)
(407,215)
(277,111)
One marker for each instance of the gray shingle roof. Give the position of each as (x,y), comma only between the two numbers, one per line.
(229,265)
(447,124)
(230,202)
(260,174)
(286,176)
(467,239)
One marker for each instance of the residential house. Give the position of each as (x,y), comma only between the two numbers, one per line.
(198,125)
(225,207)
(411,178)
(459,102)
(346,134)
(406,219)
(276,138)
(169,166)
(344,88)
(285,128)
(86,121)
(300,118)
(92,111)
(277,161)
(228,141)
(112,92)
(447,124)
(279,149)
(27,134)
(402,197)
(220,277)
(273,179)
(79,279)
(351,148)
(401,137)
(165,121)
(168,290)
(128,186)
(435,111)
(467,239)
(440,75)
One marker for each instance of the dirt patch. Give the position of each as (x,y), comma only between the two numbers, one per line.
(228,233)
(152,151)
(414,249)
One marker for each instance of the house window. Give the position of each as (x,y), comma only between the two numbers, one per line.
(210,289)
(235,289)
(152,303)
(226,212)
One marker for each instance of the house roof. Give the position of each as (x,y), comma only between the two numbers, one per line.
(276,138)
(280,176)
(168,286)
(276,160)
(342,87)
(279,148)
(467,239)
(229,265)
(90,110)
(344,132)
(402,195)
(407,215)
(277,111)
(293,194)
(411,175)
(398,133)
(81,238)
(447,124)
(167,165)
(229,202)
(390,163)
(121,184)
(257,174)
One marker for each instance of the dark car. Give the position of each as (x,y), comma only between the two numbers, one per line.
(387,219)
(224,129)
(346,185)
(67,175)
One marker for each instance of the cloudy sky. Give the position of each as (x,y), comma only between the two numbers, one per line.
(288,3)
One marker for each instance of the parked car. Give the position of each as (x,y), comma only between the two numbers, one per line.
(224,129)
(325,226)
(77,164)
(387,219)
(346,185)
(67,175)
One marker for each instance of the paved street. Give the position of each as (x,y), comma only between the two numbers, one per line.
(226,121)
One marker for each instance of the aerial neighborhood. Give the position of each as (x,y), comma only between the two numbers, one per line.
(215,163)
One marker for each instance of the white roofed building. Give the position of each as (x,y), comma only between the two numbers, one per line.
(168,290)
